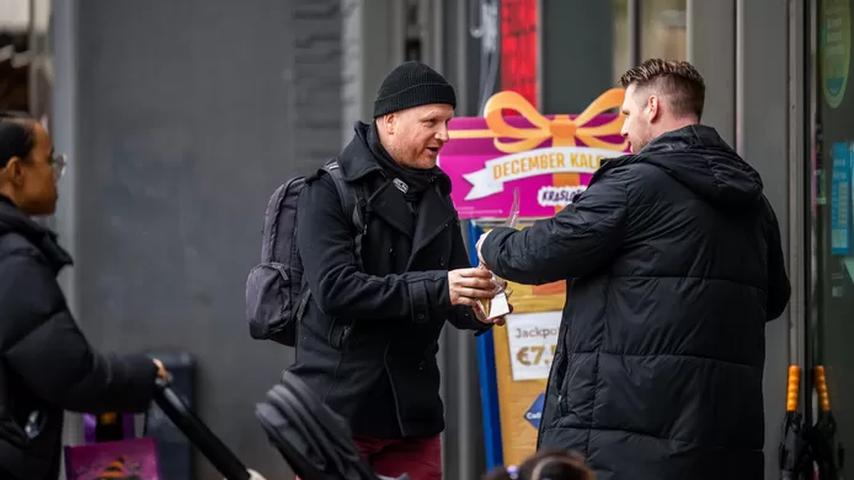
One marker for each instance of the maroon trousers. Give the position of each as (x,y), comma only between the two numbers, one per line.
(419,457)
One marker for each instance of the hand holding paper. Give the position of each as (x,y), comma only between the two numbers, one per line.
(493,310)
(467,286)
(497,307)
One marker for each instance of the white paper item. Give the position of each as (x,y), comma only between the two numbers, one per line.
(498,306)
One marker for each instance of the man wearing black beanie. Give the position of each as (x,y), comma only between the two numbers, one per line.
(383,287)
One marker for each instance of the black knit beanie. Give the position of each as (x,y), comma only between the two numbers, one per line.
(412,84)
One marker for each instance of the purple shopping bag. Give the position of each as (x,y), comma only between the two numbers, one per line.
(125,427)
(133,459)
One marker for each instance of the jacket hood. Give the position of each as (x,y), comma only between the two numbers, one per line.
(698,158)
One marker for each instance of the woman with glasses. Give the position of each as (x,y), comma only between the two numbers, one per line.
(46,364)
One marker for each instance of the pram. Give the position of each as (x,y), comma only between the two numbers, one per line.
(314,440)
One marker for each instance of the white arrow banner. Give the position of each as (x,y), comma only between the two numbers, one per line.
(542,161)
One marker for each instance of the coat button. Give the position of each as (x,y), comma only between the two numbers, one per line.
(441,262)
(391,251)
(419,317)
(420,365)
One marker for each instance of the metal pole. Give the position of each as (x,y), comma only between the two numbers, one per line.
(634,21)
(64,133)
(798,153)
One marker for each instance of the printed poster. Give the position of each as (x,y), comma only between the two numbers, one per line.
(532,340)
(840,199)
(549,158)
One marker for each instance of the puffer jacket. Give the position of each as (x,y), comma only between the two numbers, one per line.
(674,264)
(46,364)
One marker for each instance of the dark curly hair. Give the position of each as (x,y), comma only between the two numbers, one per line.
(678,80)
(546,465)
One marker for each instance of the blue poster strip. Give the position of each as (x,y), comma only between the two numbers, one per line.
(474,233)
(489,401)
(486,375)
(840,199)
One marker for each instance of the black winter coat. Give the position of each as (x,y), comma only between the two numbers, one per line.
(46,365)
(368,341)
(675,265)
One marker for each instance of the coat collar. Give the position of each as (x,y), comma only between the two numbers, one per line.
(13,220)
(435,211)
(357,161)
(388,203)
(435,214)
(689,138)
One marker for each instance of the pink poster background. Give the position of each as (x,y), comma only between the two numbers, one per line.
(465,155)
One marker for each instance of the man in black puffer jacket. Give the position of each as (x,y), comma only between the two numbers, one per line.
(675,264)
(46,365)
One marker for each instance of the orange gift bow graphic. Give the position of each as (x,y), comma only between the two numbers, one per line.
(561,129)
(524,160)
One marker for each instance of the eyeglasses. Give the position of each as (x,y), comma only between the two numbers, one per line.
(58,162)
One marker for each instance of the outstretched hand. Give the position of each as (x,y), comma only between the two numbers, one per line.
(467,286)
(162,373)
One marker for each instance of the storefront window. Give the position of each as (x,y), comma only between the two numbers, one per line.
(14,54)
(663,29)
(622,41)
(25,57)
(831,325)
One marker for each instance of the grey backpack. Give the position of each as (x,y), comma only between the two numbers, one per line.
(276,296)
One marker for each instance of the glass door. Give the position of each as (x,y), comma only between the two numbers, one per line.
(830,333)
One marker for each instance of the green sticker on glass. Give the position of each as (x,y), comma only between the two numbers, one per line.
(835,48)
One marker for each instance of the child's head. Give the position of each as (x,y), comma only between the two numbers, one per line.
(545,465)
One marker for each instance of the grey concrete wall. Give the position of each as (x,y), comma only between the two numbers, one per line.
(352,96)
(382,46)
(317,81)
(762,132)
(188,115)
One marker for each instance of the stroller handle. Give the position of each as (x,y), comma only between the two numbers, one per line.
(220,456)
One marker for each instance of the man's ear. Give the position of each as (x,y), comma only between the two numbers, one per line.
(388,123)
(653,106)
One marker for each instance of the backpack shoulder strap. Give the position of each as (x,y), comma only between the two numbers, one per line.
(353,199)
